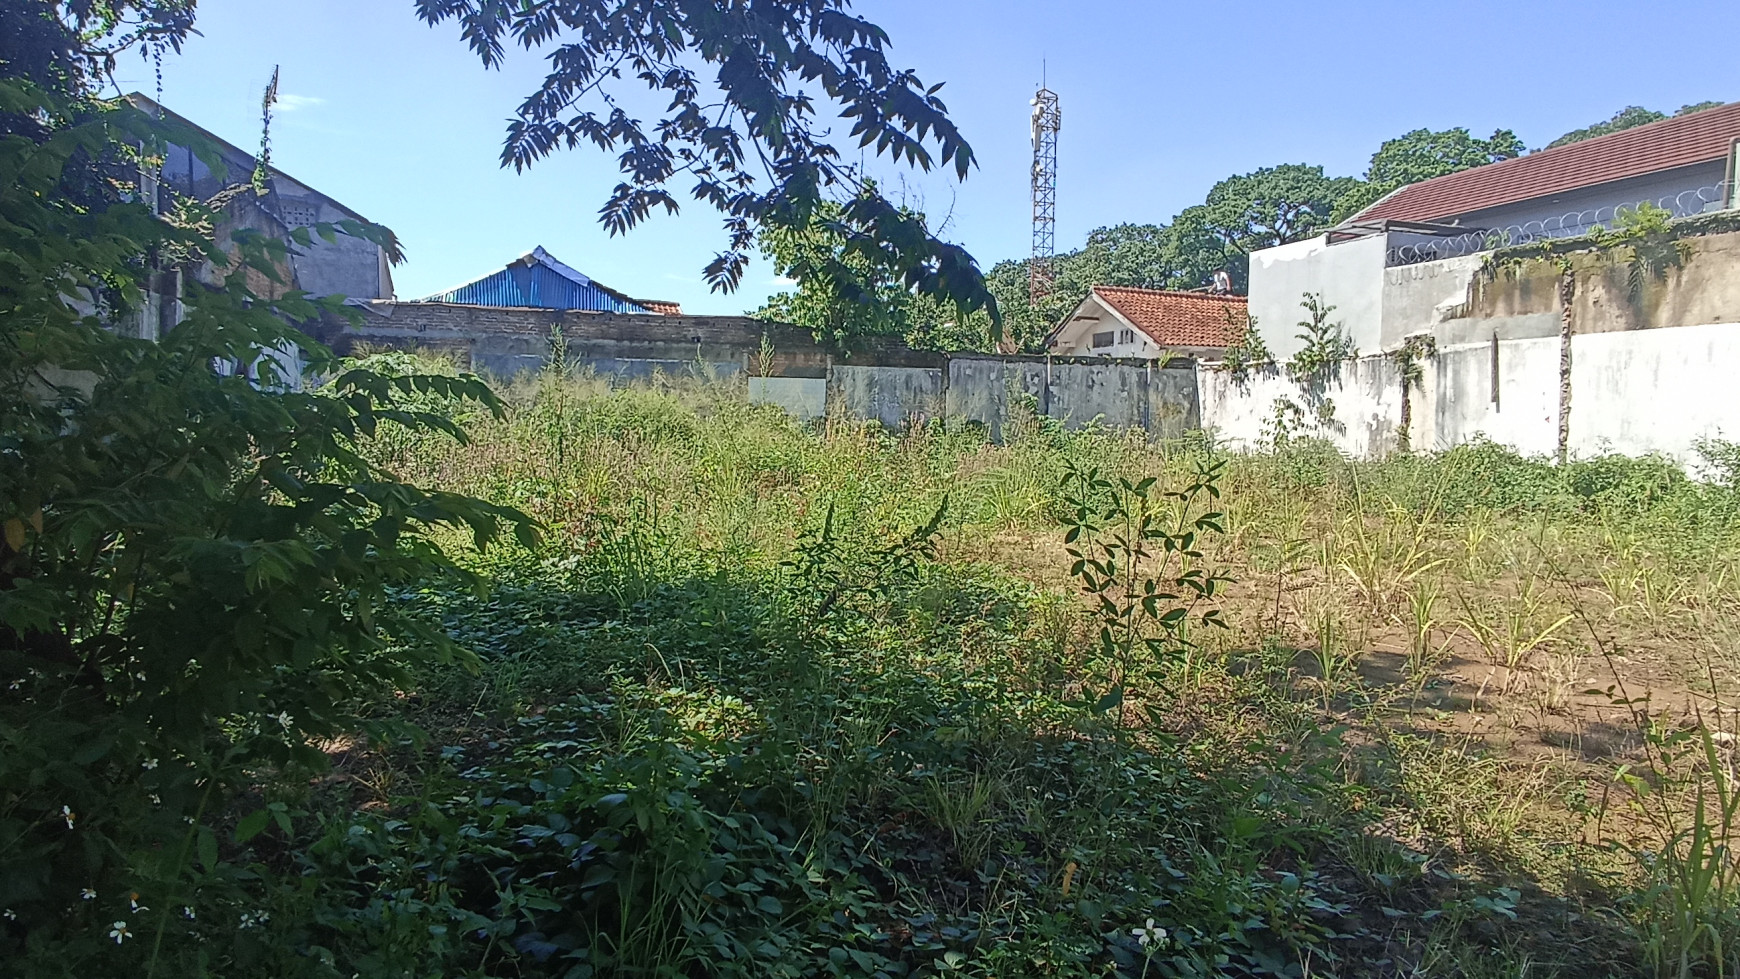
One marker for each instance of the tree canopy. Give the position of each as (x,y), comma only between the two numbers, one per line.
(1421,155)
(1626,118)
(1241,214)
(744,91)
(840,293)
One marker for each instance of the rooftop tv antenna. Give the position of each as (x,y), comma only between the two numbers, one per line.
(1047,120)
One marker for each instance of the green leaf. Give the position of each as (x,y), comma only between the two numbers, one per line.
(1112,700)
(207,847)
(252,824)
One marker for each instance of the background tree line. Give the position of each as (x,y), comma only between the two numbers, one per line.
(1240,214)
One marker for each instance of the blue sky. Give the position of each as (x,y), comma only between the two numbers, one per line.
(401,122)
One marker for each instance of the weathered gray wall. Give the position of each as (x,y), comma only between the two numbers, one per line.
(803,398)
(894,396)
(987,390)
(1160,400)
(508,341)
(983,390)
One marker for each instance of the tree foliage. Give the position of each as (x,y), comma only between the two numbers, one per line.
(743,88)
(1271,206)
(841,293)
(1626,118)
(1421,155)
(198,568)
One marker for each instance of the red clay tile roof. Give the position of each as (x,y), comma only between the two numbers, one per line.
(1680,141)
(660,307)
(1179,319)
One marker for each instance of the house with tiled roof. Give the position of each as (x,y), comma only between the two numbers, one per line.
(1405,265)
(1117,321)
(1684,164)
(1562,344)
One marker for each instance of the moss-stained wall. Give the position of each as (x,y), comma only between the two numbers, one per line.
(1663,281)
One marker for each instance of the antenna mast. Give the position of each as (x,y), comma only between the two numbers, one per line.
(1047,120)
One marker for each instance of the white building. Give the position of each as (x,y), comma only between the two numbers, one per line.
(1151,324)
(1511,361)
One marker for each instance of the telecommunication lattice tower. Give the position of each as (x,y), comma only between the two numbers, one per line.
(1047,120)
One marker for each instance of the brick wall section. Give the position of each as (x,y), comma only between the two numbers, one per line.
(490,333)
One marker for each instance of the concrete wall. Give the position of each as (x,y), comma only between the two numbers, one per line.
(1613,292)
(803,398)
(894,396)
(506,341)
(1160,400)
(1417,298)
(1654,390)
(1466,299)
(1656,335)
(1349,276)
(1456,405)
(1367,397)
(983,390)
(988,390)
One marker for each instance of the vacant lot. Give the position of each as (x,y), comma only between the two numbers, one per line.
(773,701)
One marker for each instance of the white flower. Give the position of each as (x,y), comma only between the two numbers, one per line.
(9,914)
(1148,934)
(16,685)
(156,799)
(251,919)
(133,899)
(283,718)
(187,913)
(120,933)
(67,814)
(88,894)
(149,764)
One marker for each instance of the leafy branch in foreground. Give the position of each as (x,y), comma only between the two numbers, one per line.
(742,87)
(1136,553)
(200,570)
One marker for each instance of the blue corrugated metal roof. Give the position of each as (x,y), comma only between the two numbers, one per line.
(539,280)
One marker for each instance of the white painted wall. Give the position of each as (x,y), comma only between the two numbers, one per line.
(1368,407)
(1349,276)
(1458,396)
(1417,298)
(1633,391)
(1659,390)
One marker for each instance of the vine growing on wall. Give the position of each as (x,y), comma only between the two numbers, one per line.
(1250,353)
(1408,359)
(1317,364)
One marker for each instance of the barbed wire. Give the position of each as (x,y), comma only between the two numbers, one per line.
(1569,225)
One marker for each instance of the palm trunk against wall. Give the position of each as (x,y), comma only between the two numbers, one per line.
(1567,293)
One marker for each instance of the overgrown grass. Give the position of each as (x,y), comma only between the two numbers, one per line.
(749,712)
